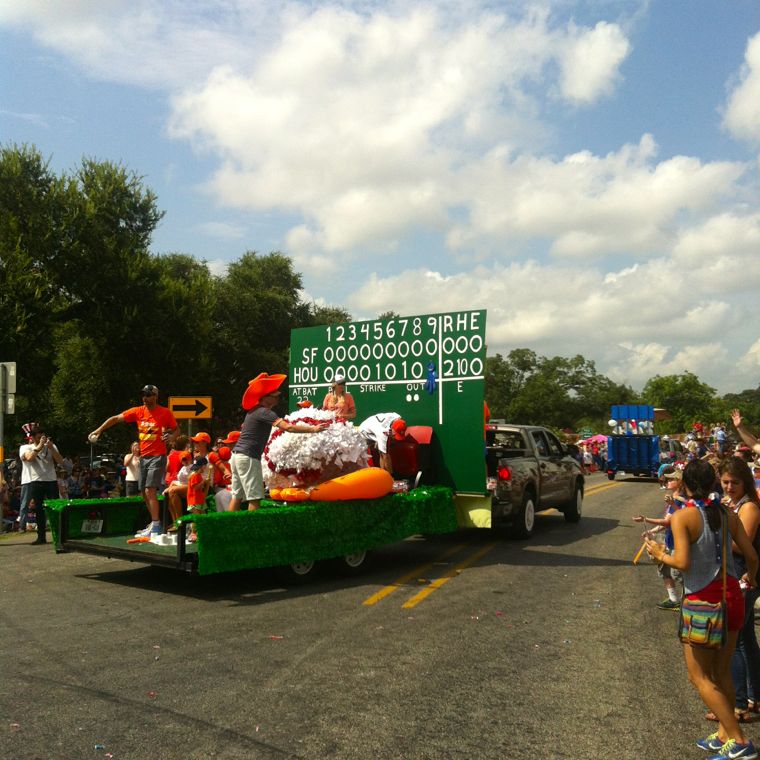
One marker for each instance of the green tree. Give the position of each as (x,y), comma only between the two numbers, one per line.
(748,402)
(685,396)
(329,315)
(557,392)
(30,245)
(257,304)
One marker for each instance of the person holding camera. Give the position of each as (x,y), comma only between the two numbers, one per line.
(39,481)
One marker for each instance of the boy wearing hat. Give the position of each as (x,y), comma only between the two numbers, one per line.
(156,427)
(259,399)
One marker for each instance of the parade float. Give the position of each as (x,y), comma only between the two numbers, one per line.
(325,500)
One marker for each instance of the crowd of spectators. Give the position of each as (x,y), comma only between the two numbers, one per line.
(109,476)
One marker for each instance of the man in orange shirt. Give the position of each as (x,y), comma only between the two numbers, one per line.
(156,427)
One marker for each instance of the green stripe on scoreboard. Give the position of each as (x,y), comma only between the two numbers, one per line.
(428,368)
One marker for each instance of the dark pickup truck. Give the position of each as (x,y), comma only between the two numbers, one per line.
(529,470)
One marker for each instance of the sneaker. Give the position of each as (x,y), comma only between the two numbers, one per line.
(735,751)
(151,529)
(669,605)
(710,743)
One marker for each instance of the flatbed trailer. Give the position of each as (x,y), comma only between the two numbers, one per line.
(276,535)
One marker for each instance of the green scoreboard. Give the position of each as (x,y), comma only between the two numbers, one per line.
(429,369)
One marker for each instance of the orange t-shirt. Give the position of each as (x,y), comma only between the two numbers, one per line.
(174,463)
(151,425)
(196,490)
(222,475)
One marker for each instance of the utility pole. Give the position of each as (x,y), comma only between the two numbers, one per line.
(7,403)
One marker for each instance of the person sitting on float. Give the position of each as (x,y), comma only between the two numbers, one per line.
(340,401)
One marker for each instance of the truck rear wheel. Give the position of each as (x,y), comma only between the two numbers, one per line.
(298,572)
(574,508)
(525,519)
(352,564)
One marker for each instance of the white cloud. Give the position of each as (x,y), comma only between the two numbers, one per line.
(218,267)
(363,122)
(742,116)
(653,318)
(590,63)
(750,363)
(642,361)
(588,204)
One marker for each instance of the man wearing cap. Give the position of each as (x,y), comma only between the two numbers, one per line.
(378,428)
(156,427)
(247,480)
(39,481)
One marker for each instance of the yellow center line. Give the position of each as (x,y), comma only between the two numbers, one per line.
(600,488)
(416,573)
(453,572)
(447,576)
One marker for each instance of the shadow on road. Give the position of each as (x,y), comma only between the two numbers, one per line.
(389,562)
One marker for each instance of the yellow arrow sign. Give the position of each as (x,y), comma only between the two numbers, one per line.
(191,407)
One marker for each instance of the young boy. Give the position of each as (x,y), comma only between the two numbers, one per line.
(197,488)
(673,502)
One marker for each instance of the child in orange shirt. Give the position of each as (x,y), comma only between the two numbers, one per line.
(197,488)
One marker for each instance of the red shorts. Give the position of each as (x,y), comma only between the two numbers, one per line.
(713,593)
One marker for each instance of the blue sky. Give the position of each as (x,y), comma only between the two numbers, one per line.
(586,171)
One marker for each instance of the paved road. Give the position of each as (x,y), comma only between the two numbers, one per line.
(490,648)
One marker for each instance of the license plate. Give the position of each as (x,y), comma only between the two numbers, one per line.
(92,526)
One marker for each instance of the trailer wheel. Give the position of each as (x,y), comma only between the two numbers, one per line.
(574,509)
(525,519)
(298,572)
(352,564)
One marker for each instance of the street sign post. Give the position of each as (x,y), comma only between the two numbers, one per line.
(191,407)
(7,399)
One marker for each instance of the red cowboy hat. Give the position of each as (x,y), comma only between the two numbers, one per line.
(259,387)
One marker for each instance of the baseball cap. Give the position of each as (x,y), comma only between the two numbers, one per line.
(232,436)
(205,437)
(149,390)
(199,462)
(339,380)
(225,453)
(398,428)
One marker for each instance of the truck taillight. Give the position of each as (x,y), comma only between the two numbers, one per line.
(504,473)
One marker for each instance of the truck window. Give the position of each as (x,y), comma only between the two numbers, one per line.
(555,447)
(508,439)
(540,441)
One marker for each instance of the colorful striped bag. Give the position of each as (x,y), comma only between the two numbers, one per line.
(703,624)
